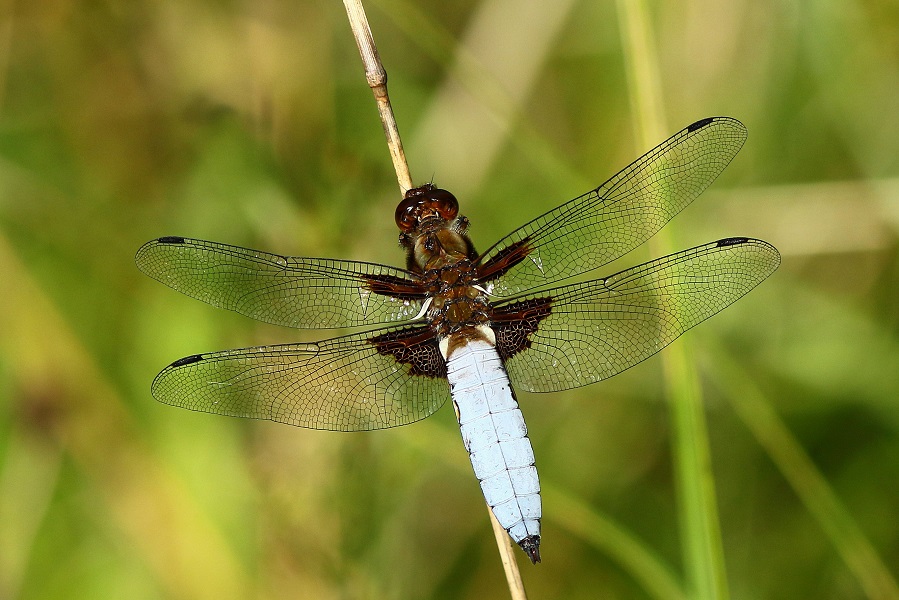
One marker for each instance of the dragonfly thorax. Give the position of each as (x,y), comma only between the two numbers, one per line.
(458,303)
(439,249)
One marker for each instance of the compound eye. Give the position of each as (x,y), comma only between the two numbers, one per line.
(444,203)
(406,218)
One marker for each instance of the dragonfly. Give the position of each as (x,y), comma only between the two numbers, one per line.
(467,326)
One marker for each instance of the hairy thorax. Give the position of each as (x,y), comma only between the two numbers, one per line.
(457,302)
(438,248)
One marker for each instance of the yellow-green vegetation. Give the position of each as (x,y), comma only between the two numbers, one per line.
(250,123)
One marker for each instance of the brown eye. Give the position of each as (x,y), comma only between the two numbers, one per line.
(444,203)
(405,214)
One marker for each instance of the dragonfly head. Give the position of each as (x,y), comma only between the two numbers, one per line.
(431,229)
(423,204)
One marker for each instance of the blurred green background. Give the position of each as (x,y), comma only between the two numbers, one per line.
(250,123)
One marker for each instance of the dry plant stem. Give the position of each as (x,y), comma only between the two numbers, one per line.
(507,554)
(376,76)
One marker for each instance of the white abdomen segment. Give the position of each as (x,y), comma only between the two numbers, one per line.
(496,438)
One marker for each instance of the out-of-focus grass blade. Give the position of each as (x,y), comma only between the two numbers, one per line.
(769,430)
(622,546)
(700,531)
(140,497)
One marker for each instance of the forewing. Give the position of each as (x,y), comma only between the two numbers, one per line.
(353,383)
(597,329)
(308,293)
(603,224)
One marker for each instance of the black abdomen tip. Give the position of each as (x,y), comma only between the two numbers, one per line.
(531,547)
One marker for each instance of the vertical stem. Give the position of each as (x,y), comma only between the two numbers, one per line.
(700,528)
(506,553)
(641,67)
(376,76)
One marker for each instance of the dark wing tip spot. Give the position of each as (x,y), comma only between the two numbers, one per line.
(171,239)
(700,124)
(187,360)
(733,241)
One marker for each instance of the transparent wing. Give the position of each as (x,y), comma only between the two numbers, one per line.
(351,383)
(599,328)
(313,293)
(602,225)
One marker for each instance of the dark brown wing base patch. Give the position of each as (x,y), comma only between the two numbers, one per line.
(416,347)
(504,260)
(513,324)
(397,287)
